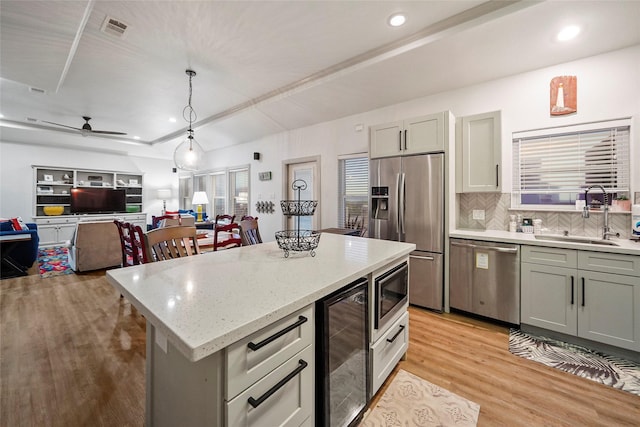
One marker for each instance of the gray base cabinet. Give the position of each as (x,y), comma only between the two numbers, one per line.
(265,379)
(591,295)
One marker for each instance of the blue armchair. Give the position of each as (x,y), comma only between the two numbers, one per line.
(18,256)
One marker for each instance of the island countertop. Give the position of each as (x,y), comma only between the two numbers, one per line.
(204,303)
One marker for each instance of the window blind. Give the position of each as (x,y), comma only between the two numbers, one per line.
(239,191)
(219,186)
(353,181)
(565,164)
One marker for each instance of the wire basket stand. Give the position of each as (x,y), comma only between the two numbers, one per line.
(298,240)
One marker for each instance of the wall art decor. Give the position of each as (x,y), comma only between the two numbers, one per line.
(563,95)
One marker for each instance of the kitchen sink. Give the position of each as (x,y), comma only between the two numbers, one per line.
(575,239)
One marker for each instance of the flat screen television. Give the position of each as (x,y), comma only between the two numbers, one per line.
(97,200)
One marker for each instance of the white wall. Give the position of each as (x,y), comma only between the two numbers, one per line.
(608,87)
(16,174)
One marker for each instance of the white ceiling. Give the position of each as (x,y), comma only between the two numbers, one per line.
(266,66)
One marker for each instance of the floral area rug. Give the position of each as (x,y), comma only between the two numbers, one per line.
(593,365)
(411,401)
(54,261)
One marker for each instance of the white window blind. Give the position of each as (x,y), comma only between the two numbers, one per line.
(554,169)
(219,193)
(354,190)
(239,192)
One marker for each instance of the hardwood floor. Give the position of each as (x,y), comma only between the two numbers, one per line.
(72,354)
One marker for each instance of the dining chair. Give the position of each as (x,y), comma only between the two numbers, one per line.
(131,243)
(249,232)
(248,217)
(225,236)
(171,242)
(225,219)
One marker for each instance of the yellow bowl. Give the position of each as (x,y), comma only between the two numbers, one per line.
(53,210)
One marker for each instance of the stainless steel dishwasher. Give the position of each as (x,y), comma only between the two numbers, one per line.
(485,279)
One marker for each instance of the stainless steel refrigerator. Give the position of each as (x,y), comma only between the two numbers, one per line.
(407,205)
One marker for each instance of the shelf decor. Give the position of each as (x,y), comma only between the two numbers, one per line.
(298,240)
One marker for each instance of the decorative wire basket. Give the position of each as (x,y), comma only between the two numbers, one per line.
(298,241)
(298,207)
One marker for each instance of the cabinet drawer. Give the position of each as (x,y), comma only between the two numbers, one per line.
(550,256)
(291,402)
(246,366)
(609,263)
(388,350)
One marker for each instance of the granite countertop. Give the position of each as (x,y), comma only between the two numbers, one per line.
(625,246)
(204,303)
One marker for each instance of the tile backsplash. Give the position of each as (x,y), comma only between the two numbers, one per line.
(496,207)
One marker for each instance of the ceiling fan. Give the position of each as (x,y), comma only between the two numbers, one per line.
(86,128)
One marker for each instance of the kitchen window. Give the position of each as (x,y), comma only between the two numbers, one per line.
(553,167)
(353,181)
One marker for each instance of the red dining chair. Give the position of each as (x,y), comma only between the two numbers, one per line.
(131,243)
(225,236)
(225,219)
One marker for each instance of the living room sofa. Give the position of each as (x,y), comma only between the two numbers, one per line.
(95,245)
(18,257)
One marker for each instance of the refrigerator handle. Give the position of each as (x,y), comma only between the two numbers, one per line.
(402,203)
(398,202)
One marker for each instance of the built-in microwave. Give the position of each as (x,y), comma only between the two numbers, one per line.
(391,290)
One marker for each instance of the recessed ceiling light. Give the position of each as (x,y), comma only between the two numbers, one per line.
(1,116)
(397,20)
(567,33)
(172,119)
(136,137)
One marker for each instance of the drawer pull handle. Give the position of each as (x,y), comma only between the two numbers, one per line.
(393,338)
(257,402)
(253,346)
(582,291)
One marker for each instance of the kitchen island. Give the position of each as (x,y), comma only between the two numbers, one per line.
(202,311)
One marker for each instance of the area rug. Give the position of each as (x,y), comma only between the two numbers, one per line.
(593,365)
(411,401)
(54,261)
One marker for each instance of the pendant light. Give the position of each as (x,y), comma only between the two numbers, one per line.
(189,153)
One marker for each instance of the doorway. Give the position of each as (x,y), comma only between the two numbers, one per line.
(307,170)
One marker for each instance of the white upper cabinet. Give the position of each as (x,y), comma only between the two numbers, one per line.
(412,136)
(479,154)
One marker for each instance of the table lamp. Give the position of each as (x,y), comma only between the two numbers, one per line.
(164,194)
(199,198)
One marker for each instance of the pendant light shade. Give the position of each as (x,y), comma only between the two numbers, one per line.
(189,154)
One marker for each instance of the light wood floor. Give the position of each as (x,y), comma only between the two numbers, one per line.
(72,354)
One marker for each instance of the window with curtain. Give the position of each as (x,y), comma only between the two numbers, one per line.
(239,192)
(554,167)
(353,182)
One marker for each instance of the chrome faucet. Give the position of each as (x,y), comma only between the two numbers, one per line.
(606,230)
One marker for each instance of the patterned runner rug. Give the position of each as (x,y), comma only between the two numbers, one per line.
(411,401)
(593,365)
(54,261)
